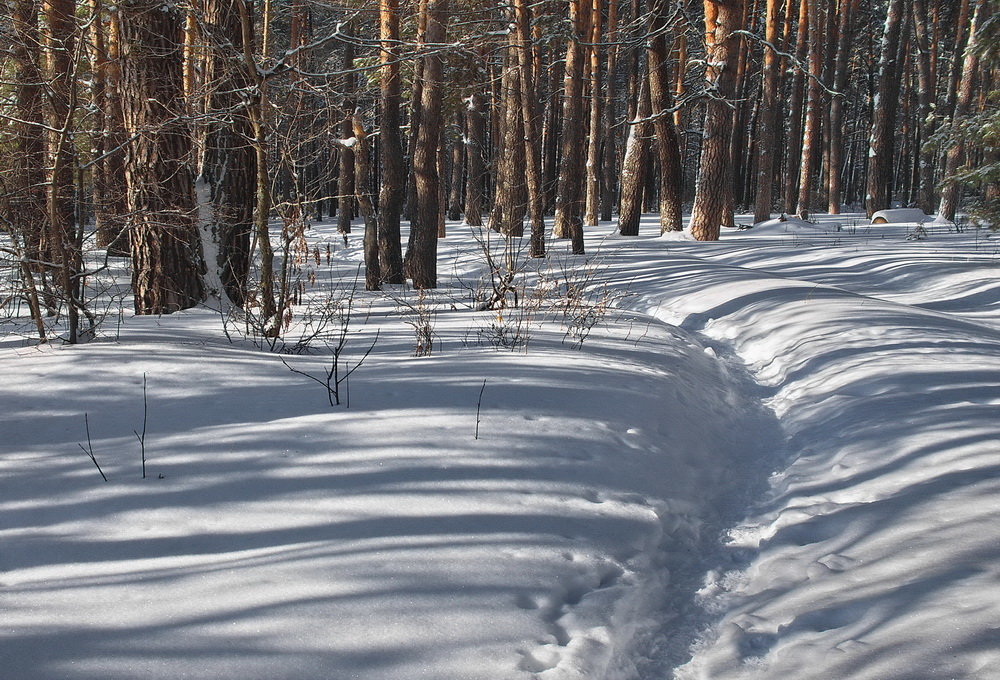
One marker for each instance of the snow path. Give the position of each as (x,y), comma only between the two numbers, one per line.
(578,538)
(279,538)
(877,552)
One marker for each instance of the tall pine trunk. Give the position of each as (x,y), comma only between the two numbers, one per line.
(884,113)
(570,192)
(392,192)
(423,255)
(713,195)
(768,117)
(166,257)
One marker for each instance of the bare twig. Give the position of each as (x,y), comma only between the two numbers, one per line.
(89,450)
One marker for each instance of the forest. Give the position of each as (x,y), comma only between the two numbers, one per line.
(179,135)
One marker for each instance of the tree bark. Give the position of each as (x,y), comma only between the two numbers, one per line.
(230,164)
(963,107)
(846,11)
(475,146)
(423,259)
(166,258)
(570,192)
(529,109)
(793,142)
(713,196)
(667,144)
(635,166)
(596,136)
(768,117)
(810,138)
(346,174)
(392,192)
(925,94)
(884,113)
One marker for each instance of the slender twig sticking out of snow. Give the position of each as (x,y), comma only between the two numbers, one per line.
(142,437)
(90,448)
(479,406)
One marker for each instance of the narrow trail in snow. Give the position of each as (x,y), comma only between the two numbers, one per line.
(889,410)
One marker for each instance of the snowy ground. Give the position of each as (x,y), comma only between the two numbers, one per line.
(781,451)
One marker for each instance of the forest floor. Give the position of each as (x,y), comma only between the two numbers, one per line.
(776,456)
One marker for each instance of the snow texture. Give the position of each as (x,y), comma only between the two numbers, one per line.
(778,458)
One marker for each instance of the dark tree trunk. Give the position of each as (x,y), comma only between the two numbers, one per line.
(793,142)
(476,161)
(844,35)
(884,115)
(963,106)
(392,192)
(230,164)
(345,207)
(423,256)
(667,144)
(166,260)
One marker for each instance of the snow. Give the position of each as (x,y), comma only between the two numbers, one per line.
(776,457)
(897,215)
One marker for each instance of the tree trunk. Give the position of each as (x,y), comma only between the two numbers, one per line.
(346,174)
(667,145)
(768,118)
(27,200)
(392,192)
(963,107)
(593,186)
(713,196)
(844,35)
(884,114)
(362,166)
(507,216)
(65,240)
(635,166)
(475,146)
(457,172)
(529,109)
(793,157)
(810,138)
(609,164)
(423,258)
(925,93)
(166,262)
(570,195)
(230,164)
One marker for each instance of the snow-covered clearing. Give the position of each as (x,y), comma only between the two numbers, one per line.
(782,449)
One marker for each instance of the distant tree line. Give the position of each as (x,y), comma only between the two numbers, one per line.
(175,132)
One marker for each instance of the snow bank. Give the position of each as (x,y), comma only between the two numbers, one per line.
(876,552)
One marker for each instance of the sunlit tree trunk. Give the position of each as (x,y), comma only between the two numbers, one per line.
(570,193)
(768,117)
(597,135)
(810,137)
(713,195)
